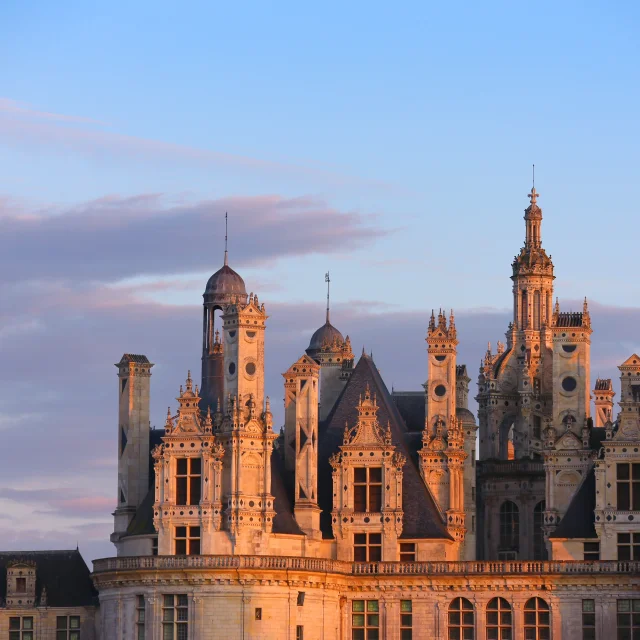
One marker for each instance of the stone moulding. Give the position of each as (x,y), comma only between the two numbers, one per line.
(485,568)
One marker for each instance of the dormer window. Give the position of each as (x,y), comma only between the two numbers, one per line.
(21,585)
(367,493)
(188,481)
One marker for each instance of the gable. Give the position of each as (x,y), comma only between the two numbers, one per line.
(632,361)
(568,441)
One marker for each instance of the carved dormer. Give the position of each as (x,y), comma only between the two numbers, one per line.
(188,471)
(21,584)
(367,486)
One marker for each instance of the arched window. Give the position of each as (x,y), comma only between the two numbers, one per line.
(509,531)
(536,620)
(499,620)
(461,620)
(539,547)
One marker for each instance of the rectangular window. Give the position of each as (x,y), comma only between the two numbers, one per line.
(473,493)
(588,620)
(140,617)
(154,546)
(629,546)
(187,541)
(68,628)
(365,620)
(21,585)
(628,486)
(473,458)
(591,551)
(188,481)
(21,628)
(367,547)
(537,427)
(406,620)
(175,617)
(299,632)
(407,552)
(367,489)
(628,619)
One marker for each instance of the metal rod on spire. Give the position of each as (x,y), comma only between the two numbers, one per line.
(534,176)
(226,235)
(327,279)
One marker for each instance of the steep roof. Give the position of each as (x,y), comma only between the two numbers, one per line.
(411,406)
(579,520)
(63,574)
(282,484)
(421,516)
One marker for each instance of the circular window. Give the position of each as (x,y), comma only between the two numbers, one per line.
(440,390)
(250,368)
(568,348)
(232,334)
(569,384)
(440,358)
(232,368)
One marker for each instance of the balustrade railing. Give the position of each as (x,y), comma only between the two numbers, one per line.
(323,565)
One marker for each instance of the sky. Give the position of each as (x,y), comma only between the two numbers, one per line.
(390,145)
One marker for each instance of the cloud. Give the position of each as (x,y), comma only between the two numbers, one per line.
(116,237)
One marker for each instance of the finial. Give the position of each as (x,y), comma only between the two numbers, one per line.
(226,235)
(327,279)
(585,306)
(557,308)
(533,181)
(362,349)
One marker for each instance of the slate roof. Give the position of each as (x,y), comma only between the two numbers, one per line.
(569,319)
(579,520)
(411,406)
(422,518)
(603,384)
(64,574)
(134,357)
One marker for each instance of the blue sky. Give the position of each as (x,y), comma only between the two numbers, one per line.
(390,145)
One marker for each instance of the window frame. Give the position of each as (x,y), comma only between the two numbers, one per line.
(509,527)
(631,545)
(188,482)
(141,614)
(370,546)
(588,619)
(539,547)
(406,620)
(68,631)
(408,553)
(369,610)
(22,631)
(630,484)
(178,605)
(539,608)
(191,537)
(502,608)
(462,626)
(371,488)
(591,550)
(629,615)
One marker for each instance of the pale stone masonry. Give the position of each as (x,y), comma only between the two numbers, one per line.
(370,515)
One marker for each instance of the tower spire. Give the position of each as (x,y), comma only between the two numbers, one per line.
(226,230)
(327,279)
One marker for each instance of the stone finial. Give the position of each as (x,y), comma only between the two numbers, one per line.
(533,195)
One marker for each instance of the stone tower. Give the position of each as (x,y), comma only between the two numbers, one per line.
(134,382)
(224,287)
(603,394)
(301,440)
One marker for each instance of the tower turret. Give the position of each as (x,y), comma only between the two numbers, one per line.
(603,394)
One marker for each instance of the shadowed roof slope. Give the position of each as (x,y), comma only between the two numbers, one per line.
(421,516)
(579,521)
(64,574)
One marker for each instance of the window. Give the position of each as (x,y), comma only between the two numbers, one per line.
(406,620)
(407,552)
(140,612)
(154,546)
(539,547)
(68,628)
(188,480)
(365,620)
(367,489)
(509,527)
(257,614)
(499,622)
(628,619)
(187,541)
(588,620)
(367,547)
(473,493)
(537,427)
(629,546)
(461,622)
(299,632)
(21,628)
(628,486)
(175,617)
(21,585)
(536,620)
(591,551)
(473,458)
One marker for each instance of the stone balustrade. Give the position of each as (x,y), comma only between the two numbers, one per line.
(323,565)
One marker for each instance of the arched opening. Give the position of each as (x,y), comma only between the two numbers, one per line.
(537,624)
(505,435)
(499,620)
(509,531)
(539,547)
(461,620)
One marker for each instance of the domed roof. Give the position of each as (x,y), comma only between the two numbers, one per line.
(465,415)
(326,333)
(226,280)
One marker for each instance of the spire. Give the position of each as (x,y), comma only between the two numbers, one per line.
(226,235)
(327,279)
